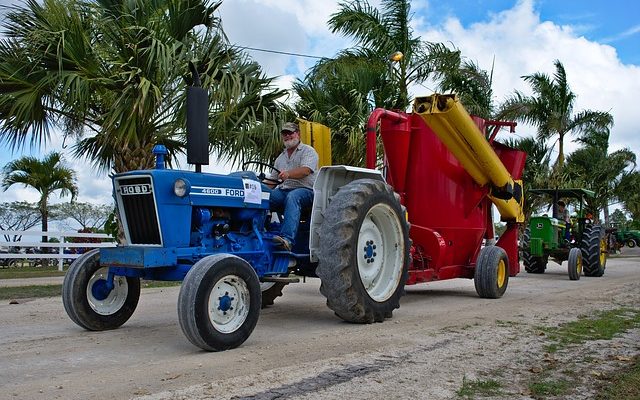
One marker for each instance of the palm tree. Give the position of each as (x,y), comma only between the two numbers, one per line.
(536,172)
(46,176)
(550,110)
(456,74)
(335,94)
(594,168)
(627,192)
(341,92)
(380,33)
(111,74)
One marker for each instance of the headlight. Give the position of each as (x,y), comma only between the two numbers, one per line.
(181,187)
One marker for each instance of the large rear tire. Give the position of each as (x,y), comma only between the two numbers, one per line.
(594,251)
(219,302)
(575,264)
(492,272)
(90,303)
(364,252)
(532,264)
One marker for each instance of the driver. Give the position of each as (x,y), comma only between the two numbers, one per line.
(563,215)
(297,164)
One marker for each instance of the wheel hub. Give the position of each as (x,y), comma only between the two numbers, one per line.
(502,273)
(369,251)
(229,304)
(225,303)
(101,289)
(106,297)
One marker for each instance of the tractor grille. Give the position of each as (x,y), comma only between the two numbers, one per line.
(138,206)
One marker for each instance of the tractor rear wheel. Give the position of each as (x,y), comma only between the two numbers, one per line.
(364,252)
(219,302)
(88,299)
(532,264)
(575,264)
(270,292)
(594,251)
(492,272)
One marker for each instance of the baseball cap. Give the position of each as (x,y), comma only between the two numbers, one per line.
(289,126)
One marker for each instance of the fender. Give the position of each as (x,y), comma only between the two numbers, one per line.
(329,180)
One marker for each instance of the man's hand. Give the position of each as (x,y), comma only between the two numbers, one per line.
(284,175)
(295,173)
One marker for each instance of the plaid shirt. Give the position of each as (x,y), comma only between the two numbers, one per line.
(302,156)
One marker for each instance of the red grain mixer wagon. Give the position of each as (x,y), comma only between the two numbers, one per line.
(449,171)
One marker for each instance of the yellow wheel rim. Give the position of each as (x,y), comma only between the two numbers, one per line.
(502,273)
(579,265)
(603,251)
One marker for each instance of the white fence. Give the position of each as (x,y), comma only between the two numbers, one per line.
(60,255)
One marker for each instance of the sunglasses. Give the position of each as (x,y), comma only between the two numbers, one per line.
(287,133)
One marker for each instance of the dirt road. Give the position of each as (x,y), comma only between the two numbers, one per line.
(441,334)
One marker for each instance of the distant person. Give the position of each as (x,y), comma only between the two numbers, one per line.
(298,165)
(563,215)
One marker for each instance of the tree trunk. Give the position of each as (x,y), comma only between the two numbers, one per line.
(606,214)
(45,227)
(560,152)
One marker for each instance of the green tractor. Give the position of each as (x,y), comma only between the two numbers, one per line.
(581,242)
(629,238)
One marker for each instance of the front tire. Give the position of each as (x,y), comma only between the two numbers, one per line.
(219,302)
(575,264)
(89,302)
(594,251)
(491,276)
(631,243)
(364,252)
(532,264)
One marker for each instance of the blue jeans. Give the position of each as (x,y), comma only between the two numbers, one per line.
(292,201)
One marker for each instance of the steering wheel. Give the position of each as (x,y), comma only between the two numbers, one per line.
(262,176)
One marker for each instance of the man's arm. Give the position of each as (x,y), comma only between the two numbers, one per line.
(295,173)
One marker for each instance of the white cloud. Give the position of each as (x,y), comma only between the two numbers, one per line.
(522,44)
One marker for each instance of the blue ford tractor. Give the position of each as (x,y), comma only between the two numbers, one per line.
(214,233)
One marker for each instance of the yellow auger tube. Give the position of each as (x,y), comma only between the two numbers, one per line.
(510,210)
(454,127)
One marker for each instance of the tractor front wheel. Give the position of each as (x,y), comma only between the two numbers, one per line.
(532,264)
(575,264)
(594,251)
(95,301)
(492,272)
(631,243)
(364,252)
(219,302)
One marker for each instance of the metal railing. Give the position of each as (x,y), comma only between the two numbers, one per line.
(14,246)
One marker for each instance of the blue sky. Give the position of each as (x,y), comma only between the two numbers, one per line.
(615,22)
(598,43)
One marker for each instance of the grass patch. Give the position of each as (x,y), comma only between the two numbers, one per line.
(37,291)
(477,387)
(625,386)
(30,272)
(549,388)
(603,326)
(28,292)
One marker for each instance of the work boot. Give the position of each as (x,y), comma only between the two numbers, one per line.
(282,243)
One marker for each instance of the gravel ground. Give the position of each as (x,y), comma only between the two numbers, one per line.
(442,335)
